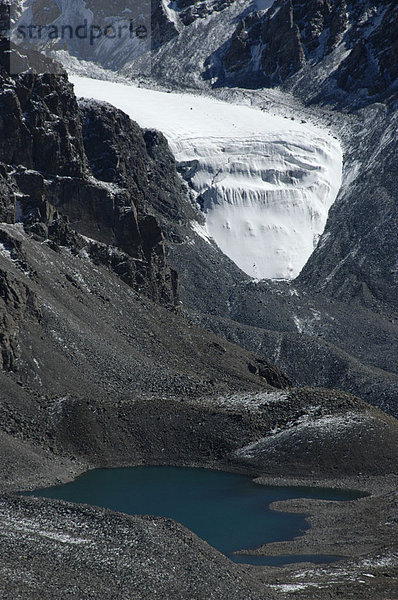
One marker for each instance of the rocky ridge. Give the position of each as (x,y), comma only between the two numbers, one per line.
(354,44)
(55,195)
(190,10)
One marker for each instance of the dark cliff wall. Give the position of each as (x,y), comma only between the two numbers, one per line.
(357,41)
(356,259)
(45,175)
(52,183)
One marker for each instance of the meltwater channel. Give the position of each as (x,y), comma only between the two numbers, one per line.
(229,511)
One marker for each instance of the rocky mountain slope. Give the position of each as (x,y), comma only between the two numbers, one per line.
(54,194)
(343,305)
(101,368)
(89,301)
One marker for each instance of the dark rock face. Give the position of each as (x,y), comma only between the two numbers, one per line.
(117,152)
(373,62)
(121,153)
(42,135)
(285,36)
(277,37)
(114,146)
(7,196)
(190,10)
(283,53)
(38,128)
(17,304)
(46,182)
(162,28)
(356,261)
(292,34)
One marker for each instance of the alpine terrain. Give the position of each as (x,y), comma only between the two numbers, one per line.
(198,268)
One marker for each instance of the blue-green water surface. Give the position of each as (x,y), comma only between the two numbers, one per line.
(229,511)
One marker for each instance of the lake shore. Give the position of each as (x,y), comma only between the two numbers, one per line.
(363,532)
(222,433)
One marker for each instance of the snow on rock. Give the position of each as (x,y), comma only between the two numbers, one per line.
(266,183)
(288,588)
(201,231)
(263,4)
(169,9)
(251,401)
(14,527)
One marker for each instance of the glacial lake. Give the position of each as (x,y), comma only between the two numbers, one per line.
(229,511)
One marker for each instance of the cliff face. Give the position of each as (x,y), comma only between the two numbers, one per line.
(44,163)
(356,259)
(356,40)
(190,10)
(51,182)
(268,45)
(39,128)
(17,304)
(372,63)
(117,153)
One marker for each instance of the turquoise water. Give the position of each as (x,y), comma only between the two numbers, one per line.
(229,511)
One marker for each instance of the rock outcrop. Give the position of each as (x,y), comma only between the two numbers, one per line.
(17,305)
(357,39)
(51,184)
(372,63)
(190,10)
(45,164)
(276,37)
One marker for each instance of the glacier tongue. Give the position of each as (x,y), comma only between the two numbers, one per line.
(266,182)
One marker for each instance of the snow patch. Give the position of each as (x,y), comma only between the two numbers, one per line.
(64,538)
(201,231)
(171,13)
(251,401)
(5,252)
(380,561)
(308,324)
(289,587)
(28,527)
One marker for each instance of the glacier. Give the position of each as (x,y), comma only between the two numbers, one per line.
(265,182)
